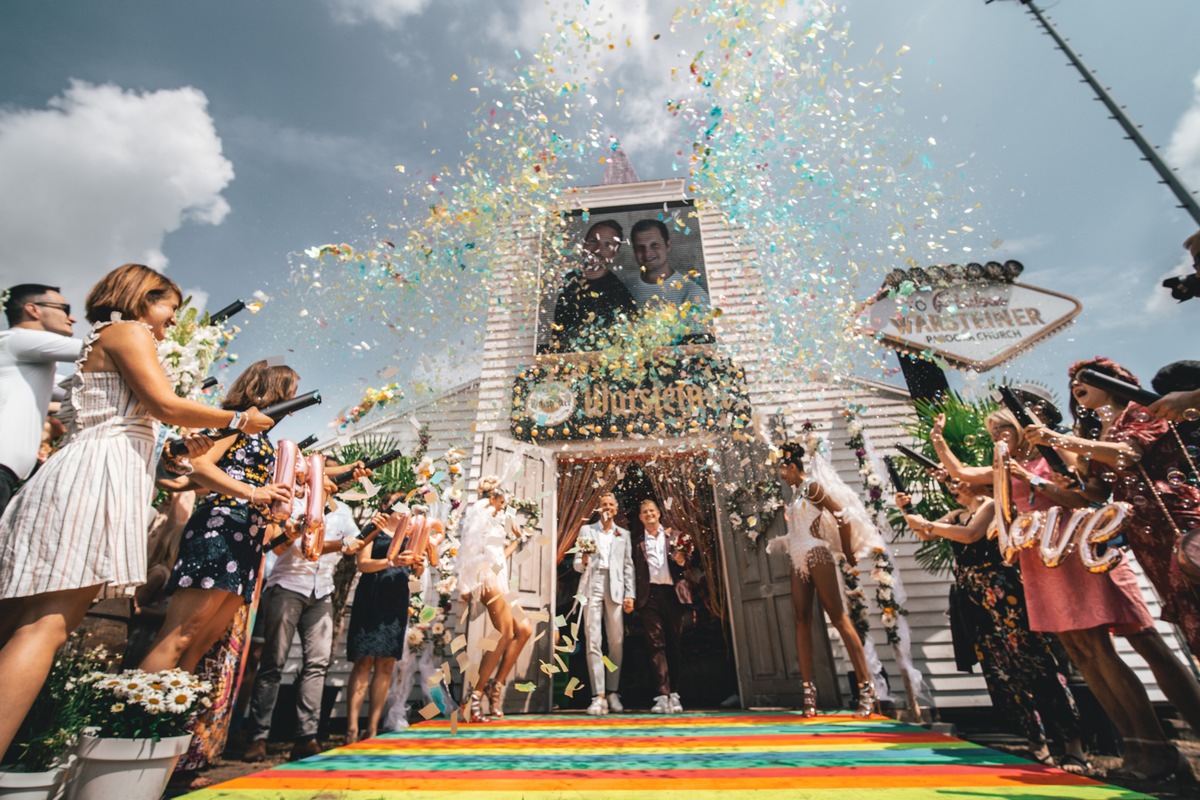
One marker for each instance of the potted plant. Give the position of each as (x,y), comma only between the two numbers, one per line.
(137,730)
(44,742)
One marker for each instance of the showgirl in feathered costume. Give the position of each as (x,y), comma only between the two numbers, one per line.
(818,525)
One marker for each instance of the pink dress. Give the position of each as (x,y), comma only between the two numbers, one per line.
(1068,597)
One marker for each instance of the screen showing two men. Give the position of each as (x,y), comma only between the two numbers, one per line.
(615,273)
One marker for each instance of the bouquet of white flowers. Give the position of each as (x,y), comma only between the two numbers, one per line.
(190,348)
(586,546)
(137,705)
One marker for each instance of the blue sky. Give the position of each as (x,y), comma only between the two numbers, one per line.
(220,139)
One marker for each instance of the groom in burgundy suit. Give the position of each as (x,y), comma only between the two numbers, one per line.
(662,590)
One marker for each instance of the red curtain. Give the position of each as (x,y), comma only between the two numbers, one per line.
(685,497)
(580,487)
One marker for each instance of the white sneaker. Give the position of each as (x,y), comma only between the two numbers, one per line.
(662,705)
(676,706)
(599,706)
(614,703)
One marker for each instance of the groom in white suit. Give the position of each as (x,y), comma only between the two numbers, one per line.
(610,586)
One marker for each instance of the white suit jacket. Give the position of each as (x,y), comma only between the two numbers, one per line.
(622,582)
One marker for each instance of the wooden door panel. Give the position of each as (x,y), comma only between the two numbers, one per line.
(759,588)
(529,475)
(762,634)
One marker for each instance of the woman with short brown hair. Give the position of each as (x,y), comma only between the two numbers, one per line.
(80,522)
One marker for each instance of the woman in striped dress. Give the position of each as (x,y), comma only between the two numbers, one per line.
(80,522)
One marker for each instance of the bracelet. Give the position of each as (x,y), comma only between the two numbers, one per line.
(253,489)
(237,421)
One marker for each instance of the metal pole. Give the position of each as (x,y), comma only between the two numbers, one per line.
(1166,174)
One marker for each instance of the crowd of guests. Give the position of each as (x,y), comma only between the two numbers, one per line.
(78,526)
(1116,450)
(81,527)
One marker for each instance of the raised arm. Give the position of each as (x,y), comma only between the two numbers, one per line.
(42,346)
(1116,454)
(954,466)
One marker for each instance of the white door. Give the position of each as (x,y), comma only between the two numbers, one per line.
(528,473)
(760,599)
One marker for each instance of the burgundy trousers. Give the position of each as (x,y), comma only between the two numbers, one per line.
(662,617)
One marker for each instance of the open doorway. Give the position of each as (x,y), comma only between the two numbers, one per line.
(706,676)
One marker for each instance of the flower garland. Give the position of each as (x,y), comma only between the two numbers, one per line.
(758,503)
(371,398)
(890,609)
(872,482)
(856,598)
(440,482)
(531,510)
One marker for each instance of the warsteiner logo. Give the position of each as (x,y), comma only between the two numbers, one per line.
(974,324)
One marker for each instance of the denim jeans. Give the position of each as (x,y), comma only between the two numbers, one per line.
(283,612)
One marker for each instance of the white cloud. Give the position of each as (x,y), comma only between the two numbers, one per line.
(386,12)
(199,298)
(100,176)
(1184,150)
(1160,302)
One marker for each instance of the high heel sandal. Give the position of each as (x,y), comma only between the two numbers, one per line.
(495,695)
(809,704)
(475,708)
(866,699)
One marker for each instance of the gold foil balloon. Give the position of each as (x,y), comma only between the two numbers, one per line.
(1104,526)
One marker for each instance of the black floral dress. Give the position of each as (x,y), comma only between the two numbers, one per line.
(379,616)
(222,542)
(1022,676)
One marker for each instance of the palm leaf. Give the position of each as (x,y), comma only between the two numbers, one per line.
(968,438)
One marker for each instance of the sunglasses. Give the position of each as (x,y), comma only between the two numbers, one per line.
(63,307)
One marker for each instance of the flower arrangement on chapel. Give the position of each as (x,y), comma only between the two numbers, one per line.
(752,509)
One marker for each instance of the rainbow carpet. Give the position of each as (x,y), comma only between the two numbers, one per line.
(703,756)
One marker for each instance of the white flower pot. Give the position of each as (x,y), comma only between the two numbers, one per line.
(32,785)
(128,769)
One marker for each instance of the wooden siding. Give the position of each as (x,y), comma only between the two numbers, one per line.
(743,334)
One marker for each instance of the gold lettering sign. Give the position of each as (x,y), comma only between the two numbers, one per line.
(576,398)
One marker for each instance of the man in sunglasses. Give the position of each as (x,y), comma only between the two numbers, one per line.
(39,335)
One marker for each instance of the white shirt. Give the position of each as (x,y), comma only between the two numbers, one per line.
(656,557)
(27,359)
(604,540)
(296,573)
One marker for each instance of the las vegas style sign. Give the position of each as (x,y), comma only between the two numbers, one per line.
(974,324)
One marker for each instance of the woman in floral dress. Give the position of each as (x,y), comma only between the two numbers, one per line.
(1022,676)
(220,558)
